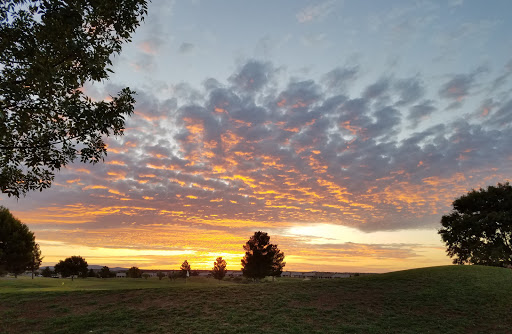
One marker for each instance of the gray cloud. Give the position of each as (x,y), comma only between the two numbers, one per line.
(251,153)
(186,47)
(252,76)
(456,88)
(338,79)
(316,12)
(502,79)
(421,112)
(377,89)
(410,90)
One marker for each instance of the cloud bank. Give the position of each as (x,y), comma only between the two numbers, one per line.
(254,152)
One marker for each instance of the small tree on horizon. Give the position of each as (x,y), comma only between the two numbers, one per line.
(46,272)
(185,267)
(160,275)
(261,257)
(134,272)
(219,268)
(105,272)
(91,273)
(72,266)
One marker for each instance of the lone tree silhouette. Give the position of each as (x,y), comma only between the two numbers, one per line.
(134,272)
(105,272)
(72,266)
(479,228)
(219,268)
(261,257)
(46,272)
(185,267)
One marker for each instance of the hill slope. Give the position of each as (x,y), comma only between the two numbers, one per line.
(450,299)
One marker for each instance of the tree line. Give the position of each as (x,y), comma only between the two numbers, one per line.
(477,231)
(261,259)
(19,252)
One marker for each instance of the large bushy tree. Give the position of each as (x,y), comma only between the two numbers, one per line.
(261,257)
(18,249)
(72,266)
(48,50)
(219,268)
(479,228)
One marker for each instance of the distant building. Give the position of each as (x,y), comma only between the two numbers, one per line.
(120,275)
(286,274)
(310,274)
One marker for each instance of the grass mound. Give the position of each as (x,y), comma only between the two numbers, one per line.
(449,299)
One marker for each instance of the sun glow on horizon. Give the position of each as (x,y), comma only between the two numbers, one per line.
(330,233)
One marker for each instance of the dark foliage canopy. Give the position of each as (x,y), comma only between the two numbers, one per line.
(48,50)
(134,272)
(91,273)
(219,268)
(261,257)
(172,275)
(105,272)
(18,249)
(72,266)
(479,229)
(46,272)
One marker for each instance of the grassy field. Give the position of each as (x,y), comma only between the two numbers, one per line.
(451,299)
(25,284)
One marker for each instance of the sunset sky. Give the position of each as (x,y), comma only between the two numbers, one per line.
(344,129)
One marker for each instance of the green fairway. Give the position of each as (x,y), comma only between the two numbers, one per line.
(450,299)
(25,284)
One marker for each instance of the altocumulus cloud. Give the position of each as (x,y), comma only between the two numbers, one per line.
(252,152)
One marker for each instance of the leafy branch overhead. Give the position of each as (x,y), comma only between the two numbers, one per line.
(48,50)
